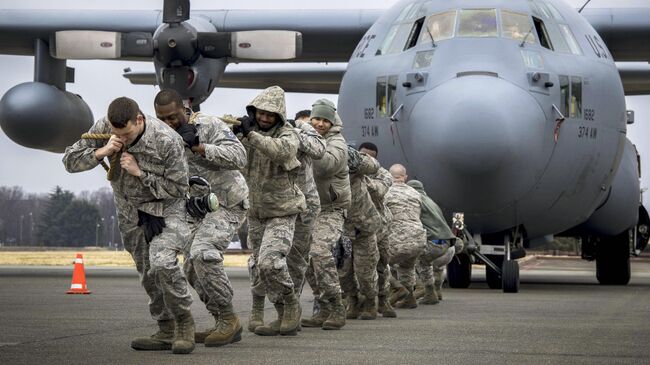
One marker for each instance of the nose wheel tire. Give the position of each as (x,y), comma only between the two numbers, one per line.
(510,276)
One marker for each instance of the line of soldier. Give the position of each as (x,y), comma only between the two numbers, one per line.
(317,210)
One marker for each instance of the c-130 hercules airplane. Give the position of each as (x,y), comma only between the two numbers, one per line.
(511,112)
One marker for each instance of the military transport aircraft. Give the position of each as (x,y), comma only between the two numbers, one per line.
(511,112)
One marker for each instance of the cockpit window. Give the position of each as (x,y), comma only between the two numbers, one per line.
(478,23)
(542,33)
(559,44)
(517,26)
(570,39)
(438,27)
(396,39)
(411,12)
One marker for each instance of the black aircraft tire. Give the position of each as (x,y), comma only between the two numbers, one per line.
(459,272)
(492,277)
(613,260)
(510,277)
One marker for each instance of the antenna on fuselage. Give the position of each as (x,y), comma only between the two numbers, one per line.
(584,6)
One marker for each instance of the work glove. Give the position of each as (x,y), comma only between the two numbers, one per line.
(189,134)
(152,225)
(246,126)
(354,160)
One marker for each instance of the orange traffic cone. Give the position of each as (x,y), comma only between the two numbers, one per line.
(78,277)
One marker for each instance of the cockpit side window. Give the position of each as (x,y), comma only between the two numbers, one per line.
(542,34)
(558,41)
(438,27)
(517,26)
(398,36)
(570,39)
(478,23)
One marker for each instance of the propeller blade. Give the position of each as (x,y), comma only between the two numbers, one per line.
(176,11)
(92,44)
(251,45)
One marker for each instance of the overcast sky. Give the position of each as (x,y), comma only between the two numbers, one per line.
(99,82)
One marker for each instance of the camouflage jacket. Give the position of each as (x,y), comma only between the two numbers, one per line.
(272,169)
(163,187)
(331,171)
(363,214)
(404,203)
(431,216)
(224,157)
(378,186)
(312,147)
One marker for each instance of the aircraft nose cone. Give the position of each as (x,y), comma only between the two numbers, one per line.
(484,137)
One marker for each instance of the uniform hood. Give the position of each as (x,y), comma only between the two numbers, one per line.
(417,185)
(270,100)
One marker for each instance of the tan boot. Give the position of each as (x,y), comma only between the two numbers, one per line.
(336,320)
(273,328)
(368,309)
(385,308)
(159,341)
(353,310)
(199,337)
(437,289)
(228,329)
(398,295)
(429,296)
(419,291)
(408,302)
(256,318)
(291,316)
(184,341)
(319,318)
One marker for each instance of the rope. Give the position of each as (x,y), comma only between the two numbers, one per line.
(114,160)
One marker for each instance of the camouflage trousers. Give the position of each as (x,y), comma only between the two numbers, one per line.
(406,245)
(157,263)
(383,271)
(328,230)
(271,242)
(298,258)
(359,275)
(434,258)
(203,264)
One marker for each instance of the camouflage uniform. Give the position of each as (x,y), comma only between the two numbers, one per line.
(275,197)
(161,192)
(407,236)
(312,146)
(378,187)
(361,224)
(438,252)
(224,156)
(333,184)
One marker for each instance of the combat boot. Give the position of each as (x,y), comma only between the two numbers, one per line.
(256,318)
(419,291)
(273,328)
(385,308)
(228,329)
(368,309)
(291,316)
(408,302)
(199,337)
(336,320)
(319,318)
(184,341)
(437,290)
(159,341)
(352,312)
(398,295)
(429,296)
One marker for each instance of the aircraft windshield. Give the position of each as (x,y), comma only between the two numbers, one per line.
(439,26)
(478,23)
(517,26)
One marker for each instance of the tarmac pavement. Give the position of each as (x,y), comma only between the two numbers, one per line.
(560,315)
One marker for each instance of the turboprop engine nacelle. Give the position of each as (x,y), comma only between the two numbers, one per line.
(39,115)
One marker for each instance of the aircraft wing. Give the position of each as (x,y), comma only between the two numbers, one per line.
(327,35)
(626,31)
(635,77)
(320,78)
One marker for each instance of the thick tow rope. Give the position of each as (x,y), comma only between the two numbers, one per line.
(114,160)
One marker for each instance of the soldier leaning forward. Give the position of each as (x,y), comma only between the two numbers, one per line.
(150,187)
(275,202)
(215,154)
